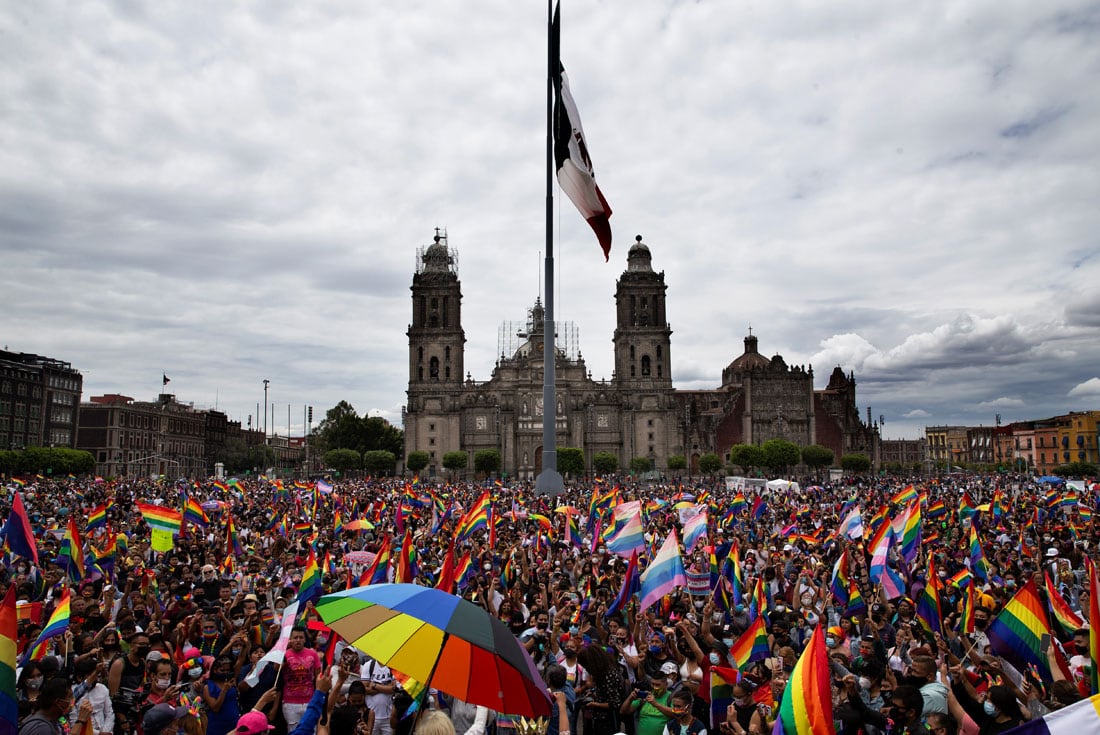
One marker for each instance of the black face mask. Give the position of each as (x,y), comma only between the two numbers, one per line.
(915,681)
(980,624)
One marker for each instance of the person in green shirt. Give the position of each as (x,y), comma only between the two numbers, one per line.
(651,703)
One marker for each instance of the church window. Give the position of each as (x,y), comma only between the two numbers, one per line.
(659,370)
(420,373)
(447,354)
(431,427)
(649,422)
(420,354)
(645,303)
(433,368)
(632,371)
(645,366)
(431,441)
(659,352)
(631,352)
(445,322)
(447,372)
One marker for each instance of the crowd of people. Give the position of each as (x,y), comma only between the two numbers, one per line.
(171,640)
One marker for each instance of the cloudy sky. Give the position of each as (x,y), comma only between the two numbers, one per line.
(227,192)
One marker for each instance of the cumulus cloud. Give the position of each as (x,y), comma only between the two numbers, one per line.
(1088,389)
(917,413)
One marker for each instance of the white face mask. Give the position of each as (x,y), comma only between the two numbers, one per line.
(714,659)
(864,682)
(194,672)
(486,566)
(164,683)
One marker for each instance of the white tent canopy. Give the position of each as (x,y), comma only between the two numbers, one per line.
(789,485)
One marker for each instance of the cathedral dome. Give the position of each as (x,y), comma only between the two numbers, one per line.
(639,258)
(750,360)
(436,257)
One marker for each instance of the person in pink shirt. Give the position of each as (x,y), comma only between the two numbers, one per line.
(300,667)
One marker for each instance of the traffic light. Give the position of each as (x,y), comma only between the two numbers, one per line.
(310,412)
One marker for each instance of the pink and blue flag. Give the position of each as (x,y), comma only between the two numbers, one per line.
(664,573)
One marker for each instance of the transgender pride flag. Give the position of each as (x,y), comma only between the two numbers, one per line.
(664,573)
(630,538)
(695,528)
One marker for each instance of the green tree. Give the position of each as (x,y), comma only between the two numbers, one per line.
(855,463)
(745,456)
(677,462)
(379,461)
(379,434)
(605,463)
(417,460)
(892,467)
(487,461)
(816,456)
(1074,470)
(779,454)
(570,461)
(343,428)
(641,464)
(343,460)
(455,461)
(9,461)
(710,463)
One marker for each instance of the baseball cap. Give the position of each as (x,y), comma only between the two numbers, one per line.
(1052,551)
(161,716)
(668,668)
(877,608)
(252,723)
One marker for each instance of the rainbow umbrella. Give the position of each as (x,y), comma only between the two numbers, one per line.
(441,640)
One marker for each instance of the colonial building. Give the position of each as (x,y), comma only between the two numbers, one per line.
(139,438)
(636,414)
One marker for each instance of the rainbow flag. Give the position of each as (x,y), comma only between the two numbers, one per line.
(904,496)
(807,705)
(232,541)
(961,579)
(378,571)
(1079,717)
(221,486)
(406,560)
(664,574)
(193,513)
(759,508)
(752,645)
(1015,632)
(928,604)
(159,517)
(722,680)
(97,518)
(907,530)
(936,509)
(9,636)
(979,567)
(572,533)
(463,567)
(1063,613)
(71,555)
(856,603)
(739,505)
(969,603)
(477,517)
(55,626)
(17,532)
(1094,628)
(967,507)
(310,588)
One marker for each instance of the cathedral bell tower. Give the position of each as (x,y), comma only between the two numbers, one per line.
(436,339)
(642,335)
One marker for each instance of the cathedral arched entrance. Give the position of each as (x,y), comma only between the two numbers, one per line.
(695,464)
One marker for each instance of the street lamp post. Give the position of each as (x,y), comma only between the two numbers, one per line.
(266,381)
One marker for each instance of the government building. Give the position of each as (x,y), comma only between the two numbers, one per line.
(637,413)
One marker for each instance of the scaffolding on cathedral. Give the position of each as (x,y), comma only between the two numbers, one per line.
(517,339)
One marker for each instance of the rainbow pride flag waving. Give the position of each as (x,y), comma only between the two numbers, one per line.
(807,706)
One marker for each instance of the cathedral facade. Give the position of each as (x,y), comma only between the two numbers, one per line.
(636,414)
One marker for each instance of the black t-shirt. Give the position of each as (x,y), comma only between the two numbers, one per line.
(345,717)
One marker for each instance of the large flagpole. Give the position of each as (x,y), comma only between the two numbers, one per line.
(549,481)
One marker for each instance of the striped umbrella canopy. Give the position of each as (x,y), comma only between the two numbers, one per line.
(441,640)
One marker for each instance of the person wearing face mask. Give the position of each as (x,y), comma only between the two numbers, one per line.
(219,696)
(683,722)
(743,715)
(922,674)
(30,683)
(248,696)
(994,712)
(88,686)
(905,710)
(160,688)
(852,712)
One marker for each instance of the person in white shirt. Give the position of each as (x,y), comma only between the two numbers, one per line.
(88,673)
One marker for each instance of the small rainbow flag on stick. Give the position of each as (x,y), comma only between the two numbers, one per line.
(159,517)
(55,626)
